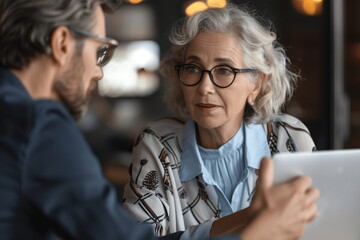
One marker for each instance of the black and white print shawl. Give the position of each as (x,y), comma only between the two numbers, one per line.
(155,194)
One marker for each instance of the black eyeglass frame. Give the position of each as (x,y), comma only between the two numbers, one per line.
(112,44)
(235,71)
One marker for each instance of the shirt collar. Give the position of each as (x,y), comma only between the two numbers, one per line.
(256,147)
(191,164)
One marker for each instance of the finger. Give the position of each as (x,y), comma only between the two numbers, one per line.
(312,195)
(310,213)
(302,184)
(266,174)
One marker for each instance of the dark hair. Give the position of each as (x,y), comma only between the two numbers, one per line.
(26,26)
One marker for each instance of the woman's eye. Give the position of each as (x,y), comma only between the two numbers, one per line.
(191,69)
(223,70)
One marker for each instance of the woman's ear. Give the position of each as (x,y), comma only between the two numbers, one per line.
(62,45)
(255,92)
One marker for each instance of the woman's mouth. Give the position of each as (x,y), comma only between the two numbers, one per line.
(206,105)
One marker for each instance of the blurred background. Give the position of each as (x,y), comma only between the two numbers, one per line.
(321,38)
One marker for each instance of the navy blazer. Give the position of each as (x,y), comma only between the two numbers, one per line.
(51,184)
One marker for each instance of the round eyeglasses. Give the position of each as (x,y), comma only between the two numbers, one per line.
(221,76)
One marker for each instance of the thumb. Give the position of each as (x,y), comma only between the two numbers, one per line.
(266,174)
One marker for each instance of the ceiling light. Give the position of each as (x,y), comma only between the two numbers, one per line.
(216,3)
(195,7)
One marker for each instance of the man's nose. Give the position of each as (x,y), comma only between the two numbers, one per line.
(99,74)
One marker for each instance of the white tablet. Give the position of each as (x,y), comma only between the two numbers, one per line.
(336,173)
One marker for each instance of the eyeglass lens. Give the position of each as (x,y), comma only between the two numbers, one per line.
(104,54)
(221,76)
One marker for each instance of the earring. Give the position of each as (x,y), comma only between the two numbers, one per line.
(251,102)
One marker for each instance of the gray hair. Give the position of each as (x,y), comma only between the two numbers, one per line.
(261,51)
(26,26)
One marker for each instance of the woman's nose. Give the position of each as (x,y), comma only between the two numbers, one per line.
(206,86)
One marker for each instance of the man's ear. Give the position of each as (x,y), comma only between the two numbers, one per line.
(63,45)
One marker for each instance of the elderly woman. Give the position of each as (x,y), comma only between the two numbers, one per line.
(228,80)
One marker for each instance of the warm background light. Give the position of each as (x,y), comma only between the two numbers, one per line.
(195,7)
(308,7)
(216,3)
(135,1)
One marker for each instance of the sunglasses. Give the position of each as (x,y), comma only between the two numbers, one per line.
(105,51)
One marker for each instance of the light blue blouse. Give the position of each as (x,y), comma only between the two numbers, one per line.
(226,165)
(227,168)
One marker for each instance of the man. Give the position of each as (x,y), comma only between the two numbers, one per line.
(51,184)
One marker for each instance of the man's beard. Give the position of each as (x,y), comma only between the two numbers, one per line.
(70,89)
